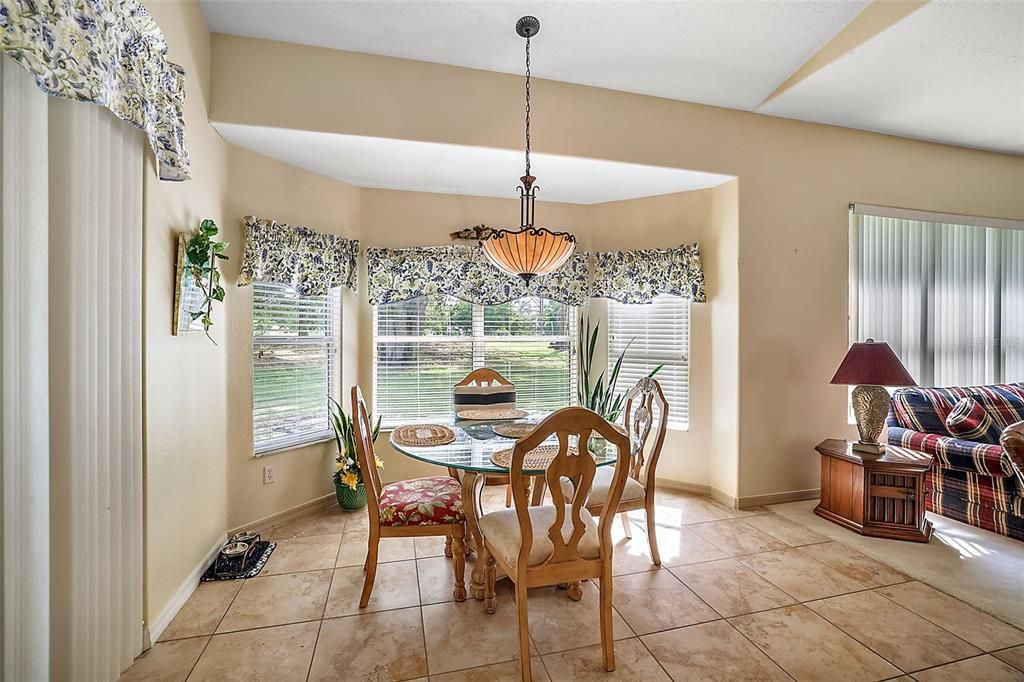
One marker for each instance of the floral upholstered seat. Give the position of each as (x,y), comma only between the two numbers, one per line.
(430,501)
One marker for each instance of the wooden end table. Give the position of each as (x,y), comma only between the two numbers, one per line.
(878,495)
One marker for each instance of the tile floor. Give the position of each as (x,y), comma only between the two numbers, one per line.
(741,596)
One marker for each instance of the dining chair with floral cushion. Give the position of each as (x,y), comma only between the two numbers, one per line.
(646,413)
(486,388)
(558,543)
(430,506)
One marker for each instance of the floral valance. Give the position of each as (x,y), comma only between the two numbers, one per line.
(109,52)
(639,276)
(312,262)
(464,272)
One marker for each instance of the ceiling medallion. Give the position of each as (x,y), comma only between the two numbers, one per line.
(528,251)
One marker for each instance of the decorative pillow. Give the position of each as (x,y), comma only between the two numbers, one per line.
(970,421)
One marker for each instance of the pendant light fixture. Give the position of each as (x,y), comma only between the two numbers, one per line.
(530,250)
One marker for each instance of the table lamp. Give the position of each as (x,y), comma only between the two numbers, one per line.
(869,366)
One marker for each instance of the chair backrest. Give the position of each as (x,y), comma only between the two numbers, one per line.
(365,452)
(646,413)
(575,464)
(484,387)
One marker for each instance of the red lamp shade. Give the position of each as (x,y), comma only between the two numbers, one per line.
(872,363)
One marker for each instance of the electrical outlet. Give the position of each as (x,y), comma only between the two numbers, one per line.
(268,474)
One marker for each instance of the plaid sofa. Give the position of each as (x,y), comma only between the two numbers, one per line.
(978,483)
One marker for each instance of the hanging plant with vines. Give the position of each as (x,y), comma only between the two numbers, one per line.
(201,254)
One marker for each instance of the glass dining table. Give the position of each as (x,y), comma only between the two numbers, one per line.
(468,459)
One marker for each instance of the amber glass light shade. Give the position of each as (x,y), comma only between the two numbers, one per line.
(529,252)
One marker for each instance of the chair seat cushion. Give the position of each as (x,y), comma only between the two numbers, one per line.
(430,501)
(634,489)
(501,531)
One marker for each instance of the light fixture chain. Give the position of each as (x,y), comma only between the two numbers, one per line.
(527,105)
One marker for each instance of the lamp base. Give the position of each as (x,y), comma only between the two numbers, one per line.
(872,448)
(870,406)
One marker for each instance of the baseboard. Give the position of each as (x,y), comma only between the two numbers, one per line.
(733,502)
(151,632)
(287,515)
(779,498)
(682,486)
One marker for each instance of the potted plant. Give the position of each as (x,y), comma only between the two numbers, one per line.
(600,396)
(348,477)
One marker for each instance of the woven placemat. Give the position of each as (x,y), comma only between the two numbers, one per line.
(538,458)
(484,414)
(421,435)
(514,430)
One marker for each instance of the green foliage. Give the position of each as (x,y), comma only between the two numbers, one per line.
(600,396)
(201,255)
(347,468)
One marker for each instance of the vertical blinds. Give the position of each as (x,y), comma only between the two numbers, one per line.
(660,335)
(295,368)
(424,346)
(948,298)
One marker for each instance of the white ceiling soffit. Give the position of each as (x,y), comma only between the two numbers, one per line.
(454,169)
(950,72)
(732,54)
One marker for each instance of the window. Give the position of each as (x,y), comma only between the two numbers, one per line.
(424,346)
(656,333)
(294,365)
(947,296)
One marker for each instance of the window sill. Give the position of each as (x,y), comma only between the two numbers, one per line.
(291,446)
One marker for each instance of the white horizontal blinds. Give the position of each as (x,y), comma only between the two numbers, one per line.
(946,297)
(422,348)
(426,345)
(529,342)
(295,368)
(660,335)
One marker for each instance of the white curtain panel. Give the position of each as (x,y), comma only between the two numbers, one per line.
(24,558)
(948,298)
(95,174)
(71,219)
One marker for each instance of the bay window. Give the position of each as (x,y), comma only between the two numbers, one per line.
(426,345)
(295,365)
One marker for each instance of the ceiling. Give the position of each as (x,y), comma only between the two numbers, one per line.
(952,71)
(442,168)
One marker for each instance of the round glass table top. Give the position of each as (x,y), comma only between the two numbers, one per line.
(475,442)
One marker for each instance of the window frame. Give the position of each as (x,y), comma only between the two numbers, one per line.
(477,342)
(333,308)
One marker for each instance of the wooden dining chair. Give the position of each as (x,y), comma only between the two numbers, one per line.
(561,542)
(486,387)
(646,413)
(419,507)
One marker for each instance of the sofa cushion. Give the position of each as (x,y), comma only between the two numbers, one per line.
(970,421)
(926,409)
(953,453)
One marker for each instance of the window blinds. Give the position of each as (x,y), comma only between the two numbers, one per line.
(660,335)
(295,368)
(426,345)
(948,297)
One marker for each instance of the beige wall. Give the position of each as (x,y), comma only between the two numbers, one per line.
(795,182)
(185,414)
(266,188)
